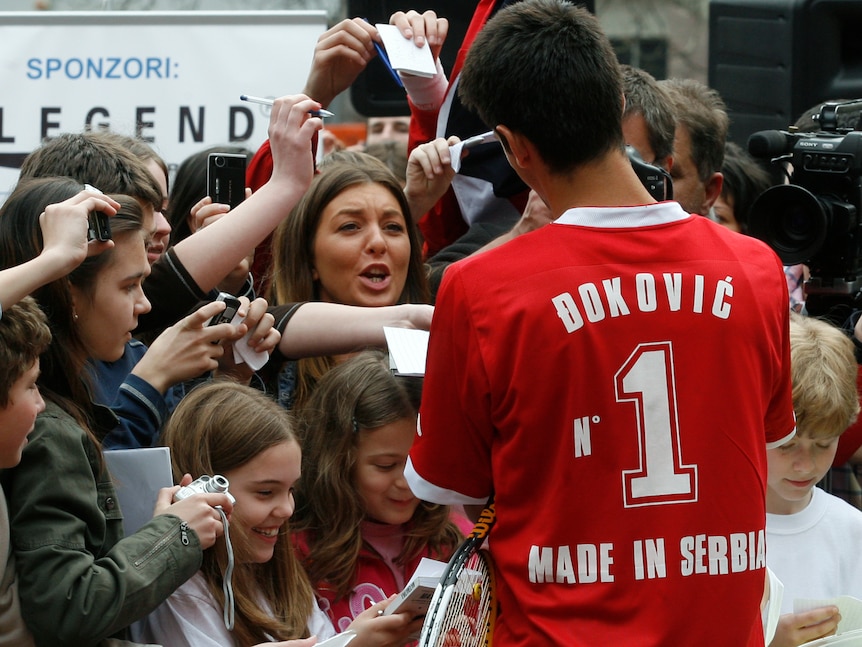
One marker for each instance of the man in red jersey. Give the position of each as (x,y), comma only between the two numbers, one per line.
(613,378)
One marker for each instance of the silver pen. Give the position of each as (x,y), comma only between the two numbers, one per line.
(484,138)
(269,102)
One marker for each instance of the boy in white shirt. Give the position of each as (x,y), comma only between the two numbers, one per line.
(813,537)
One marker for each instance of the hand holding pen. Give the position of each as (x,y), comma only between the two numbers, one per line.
(290,136)
(431,167)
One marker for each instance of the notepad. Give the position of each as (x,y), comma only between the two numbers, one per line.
(408,349)
(849,607)
(403,54)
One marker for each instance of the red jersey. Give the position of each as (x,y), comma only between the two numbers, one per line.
(614,379)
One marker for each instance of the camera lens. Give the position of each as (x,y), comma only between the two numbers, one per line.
(219,161)
(218,484)
(791,220)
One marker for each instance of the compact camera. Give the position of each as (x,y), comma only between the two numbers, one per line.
(218,484)
(98,224)
(816,219)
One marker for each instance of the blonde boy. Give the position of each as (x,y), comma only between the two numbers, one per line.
(812,536)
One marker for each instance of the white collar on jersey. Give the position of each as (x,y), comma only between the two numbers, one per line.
(658,213)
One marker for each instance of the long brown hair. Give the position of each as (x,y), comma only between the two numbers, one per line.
(216,428)
(293,244)
(63,377)
(358,396)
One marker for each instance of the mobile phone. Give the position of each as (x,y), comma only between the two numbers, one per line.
(226,178)
(227,315)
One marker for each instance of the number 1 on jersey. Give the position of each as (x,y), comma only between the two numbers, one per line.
(647,380)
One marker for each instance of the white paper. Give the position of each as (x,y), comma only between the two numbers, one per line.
(849,607)
(408,349)
(138,475)
(403,54)
(848,639)
(429,568)
(242,352)
(338,641)
(455,155)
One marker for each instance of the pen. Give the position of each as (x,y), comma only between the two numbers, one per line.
(385,59)
(268,102)
(484,138)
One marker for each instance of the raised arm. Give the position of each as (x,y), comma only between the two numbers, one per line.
(214,251)
(65,246)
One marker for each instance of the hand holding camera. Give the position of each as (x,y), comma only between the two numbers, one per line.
(99,226)
(203,484)
(202,513)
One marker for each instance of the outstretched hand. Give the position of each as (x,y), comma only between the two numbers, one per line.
(340,56)
(429,174)
(185,350)
(422,28)
(291,129)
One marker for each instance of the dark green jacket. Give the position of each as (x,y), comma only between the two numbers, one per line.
(80,581)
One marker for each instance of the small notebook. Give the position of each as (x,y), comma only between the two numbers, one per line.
(403,54)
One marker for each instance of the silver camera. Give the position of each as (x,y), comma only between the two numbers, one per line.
(203,484)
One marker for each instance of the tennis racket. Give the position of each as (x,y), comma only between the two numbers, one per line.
(464,607)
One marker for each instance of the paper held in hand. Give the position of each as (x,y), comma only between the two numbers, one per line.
(403,54)
(408,349)
(849,631)
(417,594)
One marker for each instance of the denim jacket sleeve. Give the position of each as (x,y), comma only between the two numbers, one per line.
(80,581)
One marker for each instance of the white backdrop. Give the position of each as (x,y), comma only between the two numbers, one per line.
(176,74)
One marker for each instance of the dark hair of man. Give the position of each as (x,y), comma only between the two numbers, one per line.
(545,69)
(97,158)
(744,180)
(844,118)
(700,109)
(645,97)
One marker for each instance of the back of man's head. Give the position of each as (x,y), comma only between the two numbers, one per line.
(645,97)
(101,159)
(701,110)
(545,69)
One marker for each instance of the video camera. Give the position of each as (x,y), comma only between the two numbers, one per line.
(654,178)
(817,218)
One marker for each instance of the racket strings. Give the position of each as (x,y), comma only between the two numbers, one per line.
(470,612)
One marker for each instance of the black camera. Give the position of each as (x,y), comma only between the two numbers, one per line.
(98,227)
(656,180)
(817,218)
(98,224)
